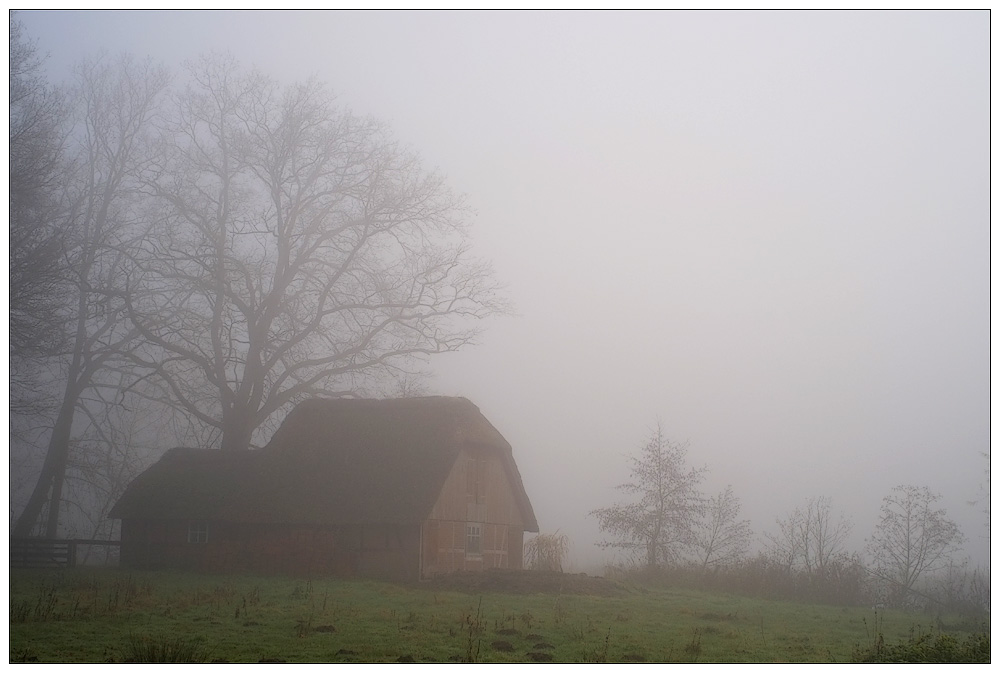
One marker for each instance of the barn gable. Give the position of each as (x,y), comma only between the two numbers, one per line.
(476,522)
(386,461)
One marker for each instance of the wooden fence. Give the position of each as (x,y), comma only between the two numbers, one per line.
(36,552)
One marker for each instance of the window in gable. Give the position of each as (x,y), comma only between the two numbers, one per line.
(198,532)
(475,476)
(473,539)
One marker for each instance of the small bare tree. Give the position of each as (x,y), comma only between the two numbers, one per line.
(810,537)
(659,526)
(722,537)
(913,538)
(784,547)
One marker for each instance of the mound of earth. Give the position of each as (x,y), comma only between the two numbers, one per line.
(524,582)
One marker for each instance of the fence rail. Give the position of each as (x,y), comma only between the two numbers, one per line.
(49,553)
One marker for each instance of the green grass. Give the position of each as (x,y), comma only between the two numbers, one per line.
(108,615)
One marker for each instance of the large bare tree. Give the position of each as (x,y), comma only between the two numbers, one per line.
(36,272)
(658,524)
(114,103)
(299,251)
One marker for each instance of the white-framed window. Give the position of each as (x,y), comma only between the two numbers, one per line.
(473,538)
(197,532)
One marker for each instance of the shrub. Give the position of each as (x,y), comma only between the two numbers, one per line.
(927,648)
(546,552)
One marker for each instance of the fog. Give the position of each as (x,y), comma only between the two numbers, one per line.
(768,232)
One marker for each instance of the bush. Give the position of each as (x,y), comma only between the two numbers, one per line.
(546,552)
(927,648)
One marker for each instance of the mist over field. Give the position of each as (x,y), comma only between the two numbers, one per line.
(766,233)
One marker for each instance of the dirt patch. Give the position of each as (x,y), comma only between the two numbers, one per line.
(524,582)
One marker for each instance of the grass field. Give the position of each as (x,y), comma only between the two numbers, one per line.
(114,616)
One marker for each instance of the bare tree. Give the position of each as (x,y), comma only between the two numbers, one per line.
(785,546)
(722,537)
(659,526)
(826,535)
(299,252)
(912,538)
(114,443)
(115,104)
(37,171)
(811,537)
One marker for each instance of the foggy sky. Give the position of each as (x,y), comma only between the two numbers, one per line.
(768,231)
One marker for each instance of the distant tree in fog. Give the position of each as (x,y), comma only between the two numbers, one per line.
(36,289)
(113,103)
(37,171)
(811,537)
(299,251)
(912,538)
(658,525)
(721,536)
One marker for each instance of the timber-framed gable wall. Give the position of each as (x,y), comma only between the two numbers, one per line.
(476,523)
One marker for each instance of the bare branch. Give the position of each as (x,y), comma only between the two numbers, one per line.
(299,251)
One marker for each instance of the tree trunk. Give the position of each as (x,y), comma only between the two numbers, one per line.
(237,431)
(50,481)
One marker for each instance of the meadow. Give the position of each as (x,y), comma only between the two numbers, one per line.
(110,615)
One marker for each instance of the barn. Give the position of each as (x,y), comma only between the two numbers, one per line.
(399,488)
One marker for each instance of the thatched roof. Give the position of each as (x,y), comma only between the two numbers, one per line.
(330,462)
